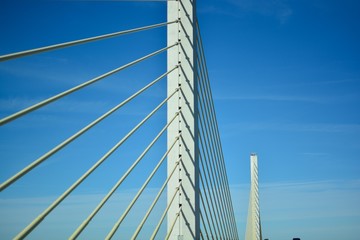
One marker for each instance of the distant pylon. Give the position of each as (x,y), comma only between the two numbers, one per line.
(253,225)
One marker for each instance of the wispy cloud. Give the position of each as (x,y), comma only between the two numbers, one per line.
(286,98)
(314,199)
(322,127)
(63,106)
(69,106)
(276,8)
(320,185)
(211,9)
(315,154)
(45,77)
(18,212)
(333,82)
(279,9)
(288,208)
(40,69)
(233,129)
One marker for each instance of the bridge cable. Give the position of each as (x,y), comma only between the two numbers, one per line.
(172,225)
(209,89)
(78,87)
(117,224)
(219,151)
(231,213)
(137,231)
(209,206)
(212,155)
(217,179)
(203,224)
(116,186)
(164,214)
(210,190)
(215,195)
(206,215)
(221,216)
(41,217)
(80,41)
(76,135)
(211,224)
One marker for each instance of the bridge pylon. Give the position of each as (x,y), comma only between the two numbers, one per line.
(253,225)
(184,213)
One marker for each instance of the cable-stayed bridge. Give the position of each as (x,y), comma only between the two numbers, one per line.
(177,173)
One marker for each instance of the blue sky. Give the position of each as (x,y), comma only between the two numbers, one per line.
(290,92)
(285,79)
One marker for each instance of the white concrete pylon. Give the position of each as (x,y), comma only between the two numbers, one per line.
(183,216)
(253,225)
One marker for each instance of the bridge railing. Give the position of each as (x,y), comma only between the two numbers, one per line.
(193,145)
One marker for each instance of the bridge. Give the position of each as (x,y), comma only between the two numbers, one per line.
(177,174)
